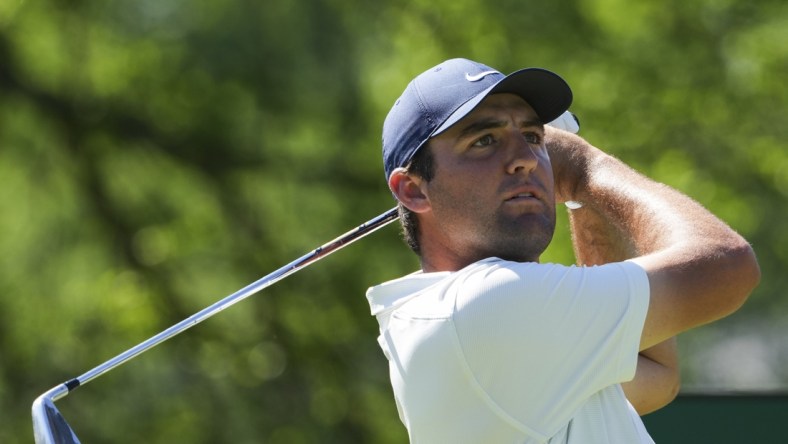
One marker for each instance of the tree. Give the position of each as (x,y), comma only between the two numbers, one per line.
(157,156)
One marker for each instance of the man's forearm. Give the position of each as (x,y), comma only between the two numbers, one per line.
(657,379)
(596,240)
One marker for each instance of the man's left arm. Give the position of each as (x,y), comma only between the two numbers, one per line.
(596,242)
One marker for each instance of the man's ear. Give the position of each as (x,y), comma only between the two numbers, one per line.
(409,190)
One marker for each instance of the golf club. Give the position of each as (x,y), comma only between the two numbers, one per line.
(49,426)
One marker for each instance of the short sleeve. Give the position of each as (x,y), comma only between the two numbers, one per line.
(540,339)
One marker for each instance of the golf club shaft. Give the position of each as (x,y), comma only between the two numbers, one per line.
(321,252)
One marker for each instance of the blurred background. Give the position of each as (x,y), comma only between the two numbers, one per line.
(158,155)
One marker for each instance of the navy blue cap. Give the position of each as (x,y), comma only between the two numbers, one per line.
(439,97)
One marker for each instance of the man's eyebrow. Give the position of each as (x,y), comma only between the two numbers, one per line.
(485,124)
(479,126)
(533,122)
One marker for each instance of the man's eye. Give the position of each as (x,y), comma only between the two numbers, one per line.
(484,141)
(534,138)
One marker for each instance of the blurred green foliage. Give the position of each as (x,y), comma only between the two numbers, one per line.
(157,155)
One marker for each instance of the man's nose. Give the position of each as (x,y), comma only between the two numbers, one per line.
(522,157)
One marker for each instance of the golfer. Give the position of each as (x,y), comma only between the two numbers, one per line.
(486,344)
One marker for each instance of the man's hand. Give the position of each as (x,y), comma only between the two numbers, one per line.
(569,156)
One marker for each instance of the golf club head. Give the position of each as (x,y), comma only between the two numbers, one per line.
(49,426)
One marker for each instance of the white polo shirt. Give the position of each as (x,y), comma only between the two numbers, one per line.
(507,352)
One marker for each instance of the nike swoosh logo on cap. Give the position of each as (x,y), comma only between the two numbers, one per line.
(479,76)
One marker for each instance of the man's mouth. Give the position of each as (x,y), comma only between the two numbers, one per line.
(524,195)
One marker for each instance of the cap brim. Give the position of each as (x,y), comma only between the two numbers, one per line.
(546,92)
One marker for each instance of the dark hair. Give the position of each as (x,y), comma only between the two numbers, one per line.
(422,165)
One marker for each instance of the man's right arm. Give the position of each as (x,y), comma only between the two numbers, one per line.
(699,269)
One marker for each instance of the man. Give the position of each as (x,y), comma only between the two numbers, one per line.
(487,345)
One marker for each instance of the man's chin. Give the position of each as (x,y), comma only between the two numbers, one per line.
(520,251)
(528,246)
